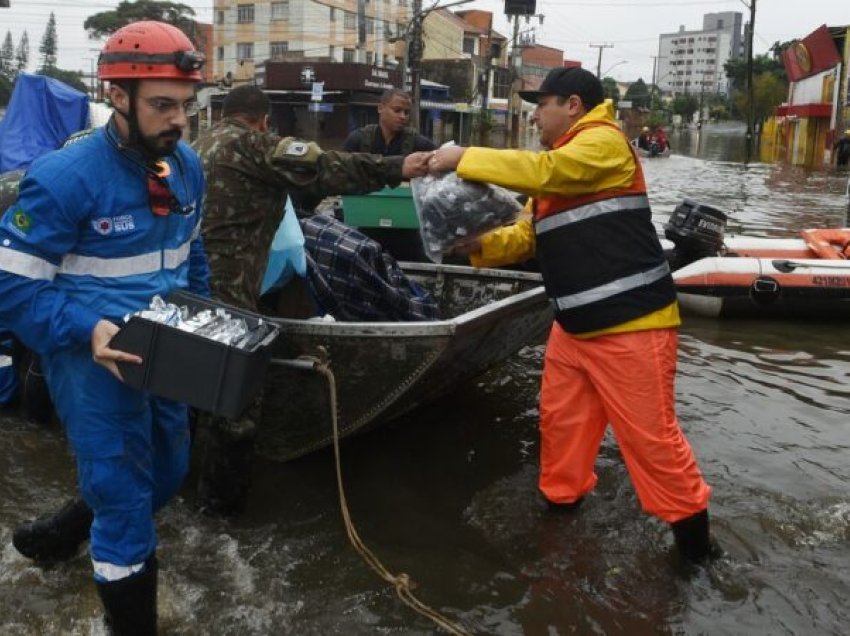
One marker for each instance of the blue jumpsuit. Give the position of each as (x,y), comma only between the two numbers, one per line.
(80,244)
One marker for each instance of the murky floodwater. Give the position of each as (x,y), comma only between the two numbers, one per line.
(448,494)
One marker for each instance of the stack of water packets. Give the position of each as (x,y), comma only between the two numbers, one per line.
(216,324)
(452,211)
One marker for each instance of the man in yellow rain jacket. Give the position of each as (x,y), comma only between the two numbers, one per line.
(611,353)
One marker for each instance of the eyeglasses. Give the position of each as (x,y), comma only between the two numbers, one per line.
(165,106)
(161,198)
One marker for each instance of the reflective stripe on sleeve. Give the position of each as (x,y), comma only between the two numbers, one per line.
(5,361)
(611,289)
(26,265)
(172,259)
(584,212)
(78,265)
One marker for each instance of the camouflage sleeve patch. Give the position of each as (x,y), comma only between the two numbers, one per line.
(296,153)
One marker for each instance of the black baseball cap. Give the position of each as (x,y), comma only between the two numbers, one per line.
(566,82)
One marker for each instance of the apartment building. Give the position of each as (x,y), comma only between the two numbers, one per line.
(692,61)
(353,31)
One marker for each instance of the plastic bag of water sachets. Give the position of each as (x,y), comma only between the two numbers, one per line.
(453,211)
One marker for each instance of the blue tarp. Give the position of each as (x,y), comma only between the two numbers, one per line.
(42,113)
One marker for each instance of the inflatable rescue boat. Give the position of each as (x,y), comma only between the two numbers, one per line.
(742,277)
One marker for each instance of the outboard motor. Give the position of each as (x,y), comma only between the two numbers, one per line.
(697,232)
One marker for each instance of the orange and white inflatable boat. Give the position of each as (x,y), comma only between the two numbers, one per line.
(742,277)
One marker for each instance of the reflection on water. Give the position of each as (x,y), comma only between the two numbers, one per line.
(448,493)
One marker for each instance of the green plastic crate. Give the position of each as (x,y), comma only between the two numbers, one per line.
(387,208)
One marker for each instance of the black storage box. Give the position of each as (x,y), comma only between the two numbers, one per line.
(185,367)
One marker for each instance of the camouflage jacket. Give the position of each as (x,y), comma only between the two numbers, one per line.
(249,173)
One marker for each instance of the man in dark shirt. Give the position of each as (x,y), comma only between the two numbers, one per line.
(391,136)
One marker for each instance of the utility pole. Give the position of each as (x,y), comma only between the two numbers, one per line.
(652,88)
(361,31)
(414,59)
(750,90)
(599,61)
(516,60)
(483,133)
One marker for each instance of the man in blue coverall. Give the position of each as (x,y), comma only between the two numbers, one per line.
(98,229)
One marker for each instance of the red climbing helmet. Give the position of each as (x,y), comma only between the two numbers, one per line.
(149,50)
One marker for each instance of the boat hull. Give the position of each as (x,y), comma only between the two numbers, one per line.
(383,370)
(765,278)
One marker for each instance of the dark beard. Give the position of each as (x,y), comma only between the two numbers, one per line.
(161,145)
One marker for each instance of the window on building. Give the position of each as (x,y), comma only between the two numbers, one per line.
(219,53)
(501,83)
(348,56)
(219,17)
(280,10)
(332,16)
(350,21)
(369,57)
(244,13)
(244,51)
(277,49)
(332,52)
(370,25)
(469,45)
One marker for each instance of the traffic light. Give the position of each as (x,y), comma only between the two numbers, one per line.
(520,7)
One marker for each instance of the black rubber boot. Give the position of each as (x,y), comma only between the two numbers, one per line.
(129,605)
(55,537)
(225,475)
(693,539)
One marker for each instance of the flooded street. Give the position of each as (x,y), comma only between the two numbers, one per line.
(448,494)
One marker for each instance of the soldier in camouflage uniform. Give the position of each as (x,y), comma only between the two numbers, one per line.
(249,172)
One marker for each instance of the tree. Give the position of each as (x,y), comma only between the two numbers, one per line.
(22,53)
(768,92)
(5,90)
(7,57)
(105,23)
(48,45)
(736,70)
(638,94)
(612,91)
(685,105)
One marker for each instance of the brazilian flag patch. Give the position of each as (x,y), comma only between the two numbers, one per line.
(22,221)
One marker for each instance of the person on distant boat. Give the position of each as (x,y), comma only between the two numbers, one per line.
(658,143)
(644,138)
(842,150)
(611,354)
(392,135)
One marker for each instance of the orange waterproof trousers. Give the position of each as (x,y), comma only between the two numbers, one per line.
(627,380)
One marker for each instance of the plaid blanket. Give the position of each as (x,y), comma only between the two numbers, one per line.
(352,278)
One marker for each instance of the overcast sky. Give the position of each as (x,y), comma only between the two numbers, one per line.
(631,26)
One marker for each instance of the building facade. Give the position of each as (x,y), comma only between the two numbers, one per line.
(350,31)
(692,61)
(803,131)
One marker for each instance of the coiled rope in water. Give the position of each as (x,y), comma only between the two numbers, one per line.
(401,582)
